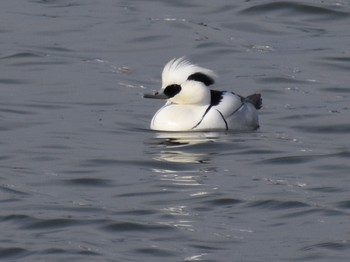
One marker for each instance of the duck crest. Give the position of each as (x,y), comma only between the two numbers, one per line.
(178,70)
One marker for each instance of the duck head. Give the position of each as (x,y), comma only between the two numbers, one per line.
(185,83)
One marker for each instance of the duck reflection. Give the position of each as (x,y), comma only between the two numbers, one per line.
(183,147)
(182,157)
(181,162)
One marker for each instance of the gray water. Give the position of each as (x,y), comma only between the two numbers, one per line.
(83,178)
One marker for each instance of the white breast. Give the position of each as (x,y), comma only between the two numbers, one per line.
(172,117)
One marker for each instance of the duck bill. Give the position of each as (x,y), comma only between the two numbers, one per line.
(156,95)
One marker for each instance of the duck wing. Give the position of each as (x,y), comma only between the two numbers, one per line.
(227,103)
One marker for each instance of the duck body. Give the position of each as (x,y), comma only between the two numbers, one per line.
(192,106)
(232,112)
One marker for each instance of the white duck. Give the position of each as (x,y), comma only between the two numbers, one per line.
(192,106)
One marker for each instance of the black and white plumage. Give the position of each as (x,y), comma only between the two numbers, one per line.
(192,106)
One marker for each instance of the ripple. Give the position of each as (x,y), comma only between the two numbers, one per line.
(334,245)
(223,202)
(16,111)
(336,89)
(15,218)
(149,38)
(45,105)
(10,81)
(11,190)
(52,223)
(40,63)
(256,29)
(287,80)
(136,226)
(276,204)
(13,252)
(102,162)
(140,212)
(10,126)
(314,212)
(21,55)
(343,128)
(142,194)
(96,182)
(158,252)
(83,250)
(335,63)
(286,160)
(295,9)
(344,204)
(326,189)
(56,48)
(56,3)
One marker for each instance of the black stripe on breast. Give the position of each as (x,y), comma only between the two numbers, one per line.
(200,121)
(223,118)
(215,97)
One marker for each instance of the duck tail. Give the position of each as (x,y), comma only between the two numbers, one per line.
(255,99)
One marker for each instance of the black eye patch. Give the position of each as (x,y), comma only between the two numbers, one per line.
(172,90)
(200,77)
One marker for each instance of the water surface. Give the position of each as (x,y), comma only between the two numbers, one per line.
(83,178)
